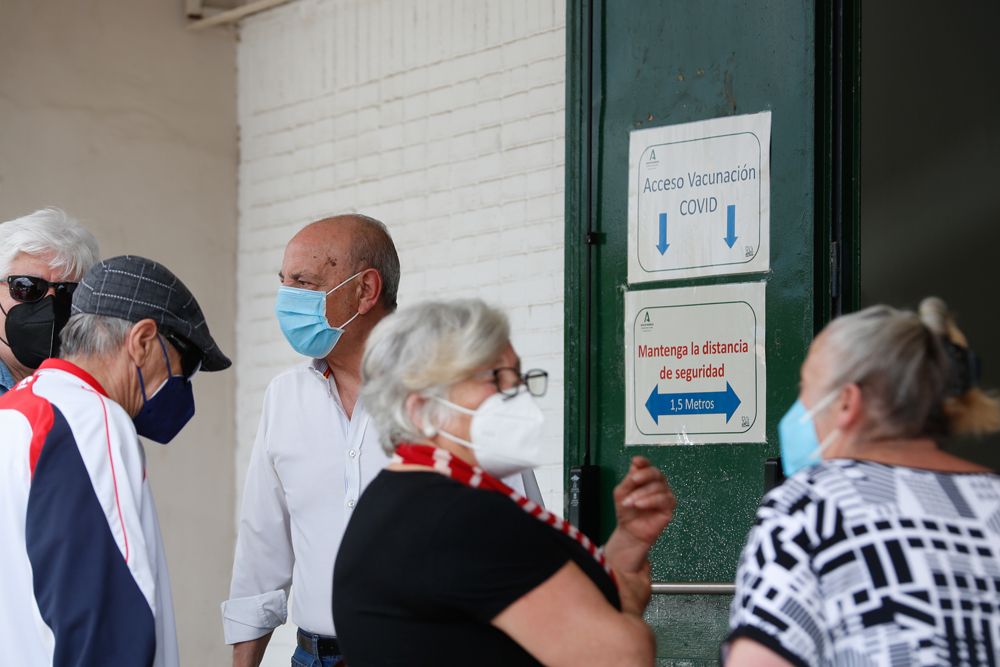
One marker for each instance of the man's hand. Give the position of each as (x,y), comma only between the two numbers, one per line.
(644,506)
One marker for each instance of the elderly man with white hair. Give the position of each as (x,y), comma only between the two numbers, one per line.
(84,575)
(42,256)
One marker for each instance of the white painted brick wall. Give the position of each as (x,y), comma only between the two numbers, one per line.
(444,119)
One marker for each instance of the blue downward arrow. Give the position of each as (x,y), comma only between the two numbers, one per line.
(731,225)
(700,403)
(663,245)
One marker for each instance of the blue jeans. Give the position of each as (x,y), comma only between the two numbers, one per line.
(303,658)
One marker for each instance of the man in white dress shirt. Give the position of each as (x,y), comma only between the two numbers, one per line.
(315,450)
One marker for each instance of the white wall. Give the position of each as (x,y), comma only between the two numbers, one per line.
(113,111)
(444,119)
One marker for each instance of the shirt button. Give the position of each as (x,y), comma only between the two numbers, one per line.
(350,503)
(353,453)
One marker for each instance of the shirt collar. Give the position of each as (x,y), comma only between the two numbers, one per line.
(322,371)
(6,378)
(74,370)
(321,367)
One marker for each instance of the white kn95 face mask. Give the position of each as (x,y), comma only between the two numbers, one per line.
(505,433)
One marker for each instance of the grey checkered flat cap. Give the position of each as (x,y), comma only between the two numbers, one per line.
(135,288)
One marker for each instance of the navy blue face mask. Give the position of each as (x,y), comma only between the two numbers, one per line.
(169,409)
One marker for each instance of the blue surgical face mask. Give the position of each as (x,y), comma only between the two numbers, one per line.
(302,317)
(800,446)
(168,409)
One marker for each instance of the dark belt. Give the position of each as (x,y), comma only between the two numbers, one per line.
(318,645)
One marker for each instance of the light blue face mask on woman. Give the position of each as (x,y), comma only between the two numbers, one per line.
(302,317)
(800,446)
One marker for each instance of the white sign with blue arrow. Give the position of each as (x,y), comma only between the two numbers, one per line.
(699,198)
(695,365)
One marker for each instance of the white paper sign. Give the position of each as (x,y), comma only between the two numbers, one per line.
(695,365)
(699,198)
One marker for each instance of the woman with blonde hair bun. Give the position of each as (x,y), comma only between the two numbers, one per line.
(880,548)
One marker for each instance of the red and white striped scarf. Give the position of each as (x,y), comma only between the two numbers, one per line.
(474,476)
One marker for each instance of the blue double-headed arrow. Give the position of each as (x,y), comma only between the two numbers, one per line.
(694,403)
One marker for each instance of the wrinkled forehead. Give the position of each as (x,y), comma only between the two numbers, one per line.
(315,255)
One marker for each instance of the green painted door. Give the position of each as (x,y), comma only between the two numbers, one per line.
(643,63)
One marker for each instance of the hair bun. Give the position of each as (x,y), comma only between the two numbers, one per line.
(936,316)
(970,410)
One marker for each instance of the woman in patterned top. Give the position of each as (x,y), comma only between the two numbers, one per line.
(880,548)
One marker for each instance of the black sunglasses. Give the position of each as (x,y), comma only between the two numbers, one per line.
(191,357)
(29,289)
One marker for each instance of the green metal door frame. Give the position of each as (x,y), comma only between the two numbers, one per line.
(579,242)
(838,165)
(588,320)
(837,237)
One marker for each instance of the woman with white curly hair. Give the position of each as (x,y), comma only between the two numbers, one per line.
(441,563)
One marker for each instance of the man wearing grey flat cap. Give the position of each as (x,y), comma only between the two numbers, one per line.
(85,579)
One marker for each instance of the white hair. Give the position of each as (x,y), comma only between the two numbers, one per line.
(898,359)
(49,230)
(425,349)
(89,335)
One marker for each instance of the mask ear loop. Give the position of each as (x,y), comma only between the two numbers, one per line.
(827,441)
(170,373)
(820,406)
(166,357)
(142,386)
(833,435)
(337,288)
(4,311)
(454,406)
(346,281)
(442,432)
(354,317)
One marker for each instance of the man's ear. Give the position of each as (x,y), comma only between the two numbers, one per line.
(370,288)
(849,406)
(141,341)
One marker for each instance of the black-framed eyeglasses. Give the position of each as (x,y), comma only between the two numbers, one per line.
(191,356)
(29,289)
(510,380)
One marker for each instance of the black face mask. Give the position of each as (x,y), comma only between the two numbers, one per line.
(33,330)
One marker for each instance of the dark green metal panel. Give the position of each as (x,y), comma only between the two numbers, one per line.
(641,63)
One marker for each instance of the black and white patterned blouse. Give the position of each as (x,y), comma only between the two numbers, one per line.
(859,563)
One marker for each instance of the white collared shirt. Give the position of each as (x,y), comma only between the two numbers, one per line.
(309,465)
